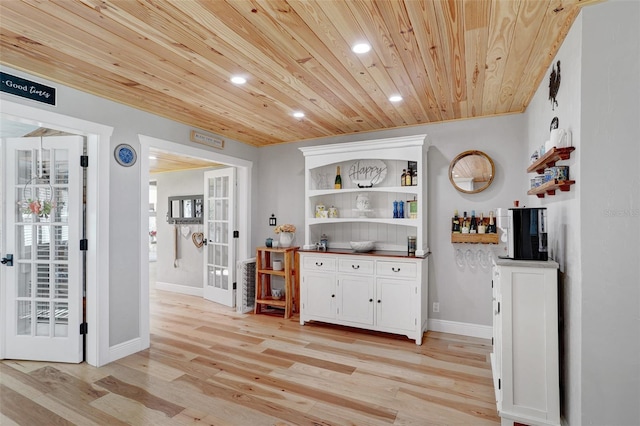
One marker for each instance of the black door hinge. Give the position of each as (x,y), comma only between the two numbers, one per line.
(492,341)
(499,383)
(235,286)
(498,307)
(84,244)
(83,328)
(84,161)
(236,234)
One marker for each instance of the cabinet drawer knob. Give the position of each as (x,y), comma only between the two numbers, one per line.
(355,266)
(333,295)
(394,269)
(379,300)
(370,300)
(318,263)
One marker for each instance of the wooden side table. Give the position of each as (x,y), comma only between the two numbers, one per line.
(264,272)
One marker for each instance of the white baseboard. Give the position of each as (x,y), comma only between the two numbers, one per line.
(177,288)
(125,349)
(462,328)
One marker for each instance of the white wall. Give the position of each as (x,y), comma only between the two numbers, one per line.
(594,228)
(610,206)
(464,294)
(188,270)
(563,209)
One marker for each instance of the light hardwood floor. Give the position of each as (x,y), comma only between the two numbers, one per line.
(208,365)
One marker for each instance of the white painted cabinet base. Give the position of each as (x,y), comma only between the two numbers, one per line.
(387,294)
(525,342)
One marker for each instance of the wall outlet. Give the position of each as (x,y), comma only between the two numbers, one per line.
(436,306)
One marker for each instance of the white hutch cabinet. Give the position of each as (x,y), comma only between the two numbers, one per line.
(383,290)
(525,342)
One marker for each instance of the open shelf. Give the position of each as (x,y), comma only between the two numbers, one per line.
(474,238)
(550,159)
(549,188)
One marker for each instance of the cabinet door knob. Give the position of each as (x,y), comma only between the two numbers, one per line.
(318,263)
(355,266)
(394,269)
(370,300)
(333,295)
(378,300)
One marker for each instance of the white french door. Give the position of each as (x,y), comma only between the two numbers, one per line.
(42,307)
(220,252)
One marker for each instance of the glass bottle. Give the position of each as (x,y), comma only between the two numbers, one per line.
(338,181)
(407,178)
(473,227)
(403,177)
(414,178)
(482,228)
(465,224)
(456,222)
(401,209)
(395,209)
(491,229)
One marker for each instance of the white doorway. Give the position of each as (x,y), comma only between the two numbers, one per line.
(97,257)
(243,169)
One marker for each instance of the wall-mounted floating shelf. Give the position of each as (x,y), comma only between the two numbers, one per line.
(550,187)
(474,238)
(546,161)
(550,159)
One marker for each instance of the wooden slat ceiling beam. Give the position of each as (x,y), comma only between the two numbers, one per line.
(449,60)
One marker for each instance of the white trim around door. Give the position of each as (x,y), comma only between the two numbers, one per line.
(99,151)
(243,175)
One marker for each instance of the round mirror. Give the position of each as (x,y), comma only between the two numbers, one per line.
(471,172)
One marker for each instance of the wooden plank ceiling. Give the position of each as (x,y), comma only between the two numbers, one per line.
(449,60)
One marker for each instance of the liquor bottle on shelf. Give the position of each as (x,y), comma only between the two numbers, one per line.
(491,228)
(482,228)
(465,224)
(455,228)
(414,178)
(338,181)
(403,177)
(407,178)
(473,227)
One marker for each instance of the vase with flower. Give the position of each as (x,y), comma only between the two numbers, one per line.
(39,208)
(287,234)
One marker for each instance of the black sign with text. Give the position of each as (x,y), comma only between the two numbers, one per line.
(27,89)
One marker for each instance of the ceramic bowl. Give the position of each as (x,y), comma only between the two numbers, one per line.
(362,246)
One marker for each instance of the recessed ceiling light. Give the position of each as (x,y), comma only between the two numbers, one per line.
(395,98)
(236,79)
(298,114)
(361,48)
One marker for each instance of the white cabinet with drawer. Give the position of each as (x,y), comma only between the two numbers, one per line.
(375,292)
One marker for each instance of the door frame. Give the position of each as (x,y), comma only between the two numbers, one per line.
(243,193)
(99,152)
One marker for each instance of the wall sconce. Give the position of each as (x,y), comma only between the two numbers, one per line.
(272,220)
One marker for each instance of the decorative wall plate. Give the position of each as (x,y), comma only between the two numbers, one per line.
(366,173)
(125,155)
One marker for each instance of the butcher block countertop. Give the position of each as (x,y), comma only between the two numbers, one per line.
(384,253)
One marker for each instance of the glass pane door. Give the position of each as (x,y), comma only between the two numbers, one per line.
(44,220)
(219,188)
